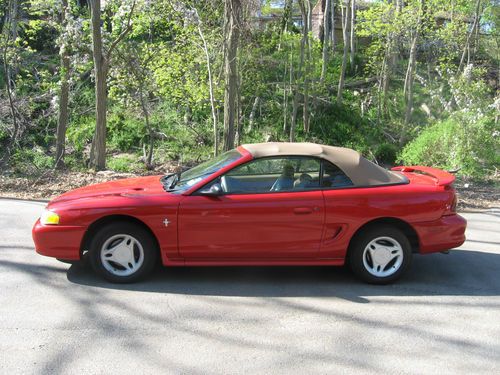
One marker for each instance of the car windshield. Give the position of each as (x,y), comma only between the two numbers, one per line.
(182,182)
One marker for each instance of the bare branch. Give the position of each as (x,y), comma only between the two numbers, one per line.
(123,34)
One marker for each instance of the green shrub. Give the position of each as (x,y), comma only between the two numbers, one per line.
(4,136)
(181,142)
(124,163)
(31,161)
(457,143)
(386,153)
(125,131)
(75,161)
(80,132)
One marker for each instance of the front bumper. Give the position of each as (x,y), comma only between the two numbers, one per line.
(58,241)
(443,234)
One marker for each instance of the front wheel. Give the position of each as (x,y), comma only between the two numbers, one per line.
(380,255)
(123,252)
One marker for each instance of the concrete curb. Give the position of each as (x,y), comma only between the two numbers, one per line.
(25,199)
(479,210)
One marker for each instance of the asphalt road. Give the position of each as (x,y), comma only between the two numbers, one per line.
(443,317)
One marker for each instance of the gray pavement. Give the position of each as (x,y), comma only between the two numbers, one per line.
(443,317)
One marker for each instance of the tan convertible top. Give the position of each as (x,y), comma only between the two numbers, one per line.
(361,171)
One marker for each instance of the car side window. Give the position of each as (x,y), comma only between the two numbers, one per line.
(289,173)
(334,177)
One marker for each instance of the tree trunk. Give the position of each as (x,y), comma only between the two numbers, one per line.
(389,58)
(239,115)
(210,88)
(307,28)
(285,108)
(293,122)
(232,18)
(62,120)
(286,20)
(298,75)
(326,33)
(332,26)
(98,154)
(286,93)
(305,110)
(251,118)
(391,55)
(11,30)
(353,31)
(345,35)
(380,85)
(477,17)
(13,16)
(410,75)
(149,157)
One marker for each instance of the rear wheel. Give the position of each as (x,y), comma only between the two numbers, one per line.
(123,252)
(380,255)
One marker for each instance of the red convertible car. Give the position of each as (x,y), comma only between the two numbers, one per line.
(260,204)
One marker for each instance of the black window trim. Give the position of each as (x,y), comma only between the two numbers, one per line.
(321,171)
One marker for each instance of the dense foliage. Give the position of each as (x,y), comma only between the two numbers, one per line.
(421,81)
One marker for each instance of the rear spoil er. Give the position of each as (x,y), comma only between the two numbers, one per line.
(442,177)
(443,234)
(58,241)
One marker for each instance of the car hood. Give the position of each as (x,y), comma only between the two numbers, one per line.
(129,187)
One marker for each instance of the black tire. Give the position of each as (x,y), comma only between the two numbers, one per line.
(149,251)
(364,238)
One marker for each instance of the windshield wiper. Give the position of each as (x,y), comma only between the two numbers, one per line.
(175,179)
(166,177)
(165,180)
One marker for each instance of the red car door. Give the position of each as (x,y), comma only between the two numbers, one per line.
(248,226)
(264,218)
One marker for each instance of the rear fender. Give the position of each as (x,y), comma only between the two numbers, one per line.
(442,179)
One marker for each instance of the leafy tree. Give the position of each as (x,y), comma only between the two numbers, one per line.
(142,83)
(102,57)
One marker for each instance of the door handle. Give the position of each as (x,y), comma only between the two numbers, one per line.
(302,210)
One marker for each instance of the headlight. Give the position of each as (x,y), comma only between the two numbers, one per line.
(49,218)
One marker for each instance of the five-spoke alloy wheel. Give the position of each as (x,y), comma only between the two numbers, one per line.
(123,252)
(122,255)
(380,255)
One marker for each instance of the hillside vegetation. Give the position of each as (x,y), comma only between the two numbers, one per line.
(133,85)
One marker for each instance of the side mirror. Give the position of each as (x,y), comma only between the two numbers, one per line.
(214,190)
